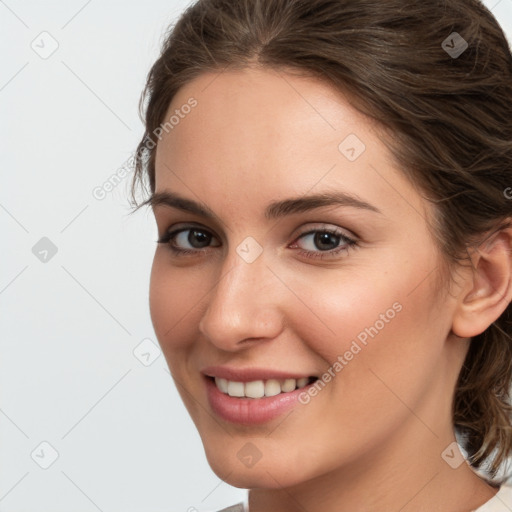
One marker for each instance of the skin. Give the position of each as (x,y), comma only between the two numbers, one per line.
(372,439)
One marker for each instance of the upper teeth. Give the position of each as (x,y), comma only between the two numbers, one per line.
(259,388)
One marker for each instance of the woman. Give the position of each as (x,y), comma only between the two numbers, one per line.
(332,283)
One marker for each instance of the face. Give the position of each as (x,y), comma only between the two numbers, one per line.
(326,304)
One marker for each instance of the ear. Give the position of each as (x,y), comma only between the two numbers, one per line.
(487,289)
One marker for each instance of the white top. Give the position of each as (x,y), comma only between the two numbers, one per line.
(500,502)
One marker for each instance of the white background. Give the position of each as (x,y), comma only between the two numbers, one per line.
(68,374)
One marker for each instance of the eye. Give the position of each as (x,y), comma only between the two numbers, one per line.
(193,240)
(327,241)
(196,238)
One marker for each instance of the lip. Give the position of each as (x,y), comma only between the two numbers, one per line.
(250,411)
(250,374)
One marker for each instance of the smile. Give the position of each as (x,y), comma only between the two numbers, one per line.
(261,388)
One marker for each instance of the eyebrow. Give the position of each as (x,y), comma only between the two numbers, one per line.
(274,210)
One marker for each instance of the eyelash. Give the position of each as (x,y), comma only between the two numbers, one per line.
(350,243)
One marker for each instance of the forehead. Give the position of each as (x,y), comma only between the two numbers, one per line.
(255,135)
(272,103)
(255,117)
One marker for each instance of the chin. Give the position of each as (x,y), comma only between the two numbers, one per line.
(267,473)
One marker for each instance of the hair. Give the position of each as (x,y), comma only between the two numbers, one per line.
(447,117)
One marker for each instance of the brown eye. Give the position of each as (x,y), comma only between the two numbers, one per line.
(322,243)
(188,240)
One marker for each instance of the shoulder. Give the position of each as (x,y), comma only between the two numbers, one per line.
(501,502)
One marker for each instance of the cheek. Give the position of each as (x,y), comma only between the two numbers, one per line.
(175,294)
(375,320)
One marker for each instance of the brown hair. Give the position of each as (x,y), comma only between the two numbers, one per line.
(448,118)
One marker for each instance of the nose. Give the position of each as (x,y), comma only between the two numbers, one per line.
(243,305)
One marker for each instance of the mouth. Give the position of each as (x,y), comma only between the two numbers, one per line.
(253,396)
(260,388)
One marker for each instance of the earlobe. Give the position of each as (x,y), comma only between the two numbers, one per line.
(487,289)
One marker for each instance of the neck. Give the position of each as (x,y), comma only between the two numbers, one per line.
(408,474)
